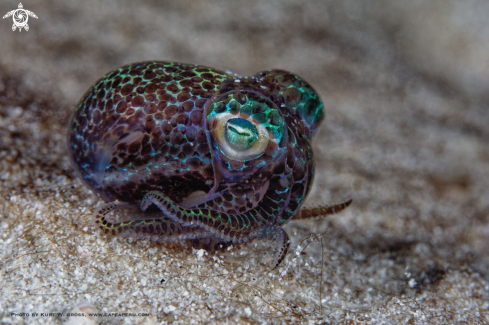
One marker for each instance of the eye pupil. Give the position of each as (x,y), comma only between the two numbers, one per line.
(240,134)
(244,134)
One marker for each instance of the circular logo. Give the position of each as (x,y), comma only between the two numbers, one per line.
(20,17)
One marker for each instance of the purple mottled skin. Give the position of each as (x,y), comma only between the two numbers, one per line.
(182,151)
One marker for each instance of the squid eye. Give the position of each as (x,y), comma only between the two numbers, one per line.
(239,138)
(243,123)
(240,134)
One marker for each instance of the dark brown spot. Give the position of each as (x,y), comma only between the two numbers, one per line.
(208,85)
(208,76)
(145,139)
(96,116)
(297,190)
(196,117)
(166,97)
(203,150)
(190,133)
(152,109)
(137,101)
(167,128)
(109,121)
(208,171)
(121,107)
(150,88)
(292,96)
(166,78)
(187,73)
(240,200)
(149,75)
(116,82)
(240,97)
(138,163)
(173,88)
(170,111)
(161,106)
(187,106)
(181,156)
(149,126)
(200,137)
(146,149)
(286,80)
(182,119)
(193,163)
(122,146)
(186,83)
(197,91)
(101,94)
(134,72)
(127,89)
(200,103)
(183,97)
(176,138)
(150,98)
(134,147)
(187,149)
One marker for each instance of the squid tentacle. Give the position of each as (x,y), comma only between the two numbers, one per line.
(306,213)
(166,229)
(188,218)
(227,227)
(277,234)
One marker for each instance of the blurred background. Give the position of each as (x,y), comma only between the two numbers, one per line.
(405,87)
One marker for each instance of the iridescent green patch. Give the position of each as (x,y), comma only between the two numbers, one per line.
(306,102)
(255,108)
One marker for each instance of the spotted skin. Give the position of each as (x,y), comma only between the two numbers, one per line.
(189,152)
